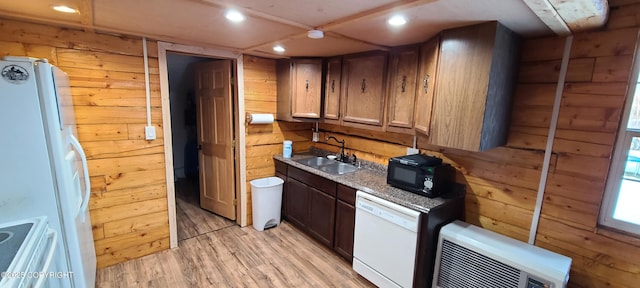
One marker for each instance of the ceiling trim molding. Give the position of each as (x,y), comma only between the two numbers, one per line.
(86,14)
(377,46)
(287,38)
(262,15)
(549,16)
(107,30)
(374,12)
(582,15)
(4,14)
(253,48)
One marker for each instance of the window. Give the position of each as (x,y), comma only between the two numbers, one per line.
(621,206)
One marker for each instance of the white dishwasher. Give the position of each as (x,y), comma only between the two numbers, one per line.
(385,241)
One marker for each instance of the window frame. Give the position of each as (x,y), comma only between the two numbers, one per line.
(619,159)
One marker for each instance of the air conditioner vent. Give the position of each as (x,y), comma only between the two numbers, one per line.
(461,267)
(471,257)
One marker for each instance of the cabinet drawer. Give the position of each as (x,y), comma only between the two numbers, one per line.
(347,194)
(281,167)
(315,181)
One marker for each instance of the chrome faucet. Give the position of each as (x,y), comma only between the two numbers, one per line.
(342,156)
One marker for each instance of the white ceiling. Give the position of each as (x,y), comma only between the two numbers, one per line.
(350,26)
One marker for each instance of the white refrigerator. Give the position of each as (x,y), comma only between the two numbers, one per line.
(43,169)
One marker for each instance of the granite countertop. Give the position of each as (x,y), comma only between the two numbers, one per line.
(374,182)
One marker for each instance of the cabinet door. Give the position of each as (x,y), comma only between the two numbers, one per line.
(321,216)
(427,79)
(297,198)
(463,78)
(332,91)
(307,88)
(364,92)
(345,223)
(402,90)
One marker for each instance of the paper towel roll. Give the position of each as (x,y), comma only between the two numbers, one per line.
(260,118)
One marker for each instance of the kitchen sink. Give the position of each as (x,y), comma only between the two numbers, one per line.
(316,161)
(328,165)
(339,168)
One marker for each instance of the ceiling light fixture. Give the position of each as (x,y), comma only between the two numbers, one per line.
(64,9)
(278,48)
(397,20)
(234,16)
(315,34)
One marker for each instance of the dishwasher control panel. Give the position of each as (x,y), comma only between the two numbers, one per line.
(389,211)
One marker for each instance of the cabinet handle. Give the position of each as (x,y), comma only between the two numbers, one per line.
(404,83)
(364,84)
(425,83)
(307,86)
(333,85)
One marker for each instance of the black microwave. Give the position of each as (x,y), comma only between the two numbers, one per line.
(420,174)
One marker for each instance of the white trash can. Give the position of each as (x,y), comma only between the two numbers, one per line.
(267,202)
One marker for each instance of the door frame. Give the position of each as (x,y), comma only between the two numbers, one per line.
(239,128)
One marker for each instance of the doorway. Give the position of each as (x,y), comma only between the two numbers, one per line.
(191,219)
(179,97)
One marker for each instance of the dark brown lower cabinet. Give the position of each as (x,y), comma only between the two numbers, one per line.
(345,222)
(281,172)
(311,204)
(297,203)
(322,211)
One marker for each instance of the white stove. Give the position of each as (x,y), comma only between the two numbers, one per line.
(29,246)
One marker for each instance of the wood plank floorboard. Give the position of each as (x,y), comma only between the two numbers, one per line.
(215,252)
(237,257)
(191,219)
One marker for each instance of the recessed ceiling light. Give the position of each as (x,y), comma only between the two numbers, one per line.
(397,20)
(64,9)
(278,48)
(234,16)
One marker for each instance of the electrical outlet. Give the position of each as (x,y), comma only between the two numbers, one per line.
(315,136)
(150,132)
(411,151)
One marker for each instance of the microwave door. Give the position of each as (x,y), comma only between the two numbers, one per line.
(405,175)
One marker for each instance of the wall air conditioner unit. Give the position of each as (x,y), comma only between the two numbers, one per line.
(469,256)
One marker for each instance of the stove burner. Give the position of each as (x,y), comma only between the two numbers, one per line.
(11,238)
(5,236)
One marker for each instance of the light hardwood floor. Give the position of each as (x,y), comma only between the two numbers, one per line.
(230,256)
(190,218)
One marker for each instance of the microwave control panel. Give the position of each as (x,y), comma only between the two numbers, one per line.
(428,183)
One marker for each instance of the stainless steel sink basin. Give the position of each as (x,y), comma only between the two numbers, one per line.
(339,168)
(328,165)
(316,161)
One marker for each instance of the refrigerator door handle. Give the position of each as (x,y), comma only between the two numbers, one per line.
(85,167)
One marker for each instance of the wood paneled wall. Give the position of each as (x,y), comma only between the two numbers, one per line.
(502,183)
(129,201)
(265,140)
(590,114)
